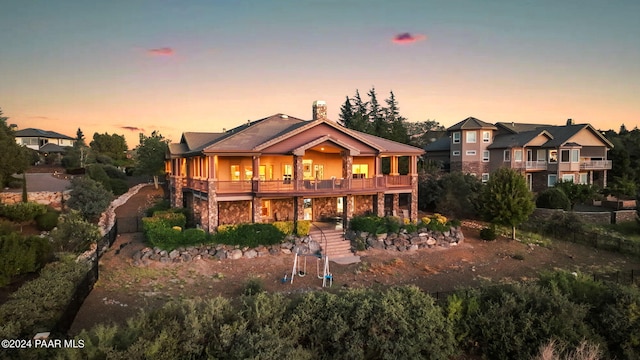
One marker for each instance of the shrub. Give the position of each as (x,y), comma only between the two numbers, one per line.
(96,172)
(48,220)
(171,218)
(488,233)
(194,236)
(254,286)
(553,198)
(6,227)
(368,224)
(113,172)
(89,197)
(392,224)
(223,228)
(303,227)
(38,304)
(164,237)
(411,228)
(250,235)
(160,205)
(21,255)
(74,234)
(562,225)
(285,227)
(22,212)
(118,186)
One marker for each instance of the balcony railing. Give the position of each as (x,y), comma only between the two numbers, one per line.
(595,165)
(303,186)
(536,165)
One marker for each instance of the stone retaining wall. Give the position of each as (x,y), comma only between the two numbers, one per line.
(403,241)
(55,199)
(602,217)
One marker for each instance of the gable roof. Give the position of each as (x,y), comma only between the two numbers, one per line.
(31,132)
(442,144)
(51,148)
(562,134)
(517,139)
(472,123)
(514,127)
(255,136)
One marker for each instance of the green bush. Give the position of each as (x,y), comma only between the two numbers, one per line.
(74,234)
(164,237)
(6,227)
(48,220)
(160,205)
(22,212)
(411,228)
(254,286)
(553,198)
(250,235)
(513,321)
(38,304)
(113,172)
(22,255)
(171,218)
(303,227)
(369,224)
(195,236)
(393,224)
(118,186)
(89,197)
(488,233)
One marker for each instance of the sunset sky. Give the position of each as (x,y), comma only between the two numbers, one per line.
(136,66)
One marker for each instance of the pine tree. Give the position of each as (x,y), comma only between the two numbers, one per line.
(376,117)
(360,115)
(346,114)
(13,158)
(395,122)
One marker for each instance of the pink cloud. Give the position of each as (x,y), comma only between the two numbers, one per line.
(164,51)
(132,128)
(408,38)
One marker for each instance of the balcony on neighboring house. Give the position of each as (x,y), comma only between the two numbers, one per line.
(595,165)
(530,165)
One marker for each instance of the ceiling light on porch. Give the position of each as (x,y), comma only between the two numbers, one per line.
(321,149)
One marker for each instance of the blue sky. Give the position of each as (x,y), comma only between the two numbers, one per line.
(173,66)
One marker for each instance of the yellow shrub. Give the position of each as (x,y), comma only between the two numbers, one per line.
(223,228)
(177,228)
(303,227)
(286,227)
(426,220)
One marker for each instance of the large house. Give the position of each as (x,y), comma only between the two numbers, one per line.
(285,168)
(543,153)
(44,141)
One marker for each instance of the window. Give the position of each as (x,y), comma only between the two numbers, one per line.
(575,155)
(360,171)
(584,178)
(568,178)
(518,155)
(486,136)
(507,155)
(541,155)
(470,152)
(248,172)
(456,153)
(553,156)
(235,172)
(471,136)
(552,179)
(564,156)
(456,137)
(485,177)
(485,156)
(287,173)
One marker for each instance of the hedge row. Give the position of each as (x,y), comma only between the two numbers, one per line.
(21,255)
(38,304)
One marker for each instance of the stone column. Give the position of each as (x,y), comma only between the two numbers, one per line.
(178,194)
(396,204)
(212,205)
(257,210)
(604,179)
(350,205)
(298,174)
(380,204)
(347,169)
(414,198)
(298,208)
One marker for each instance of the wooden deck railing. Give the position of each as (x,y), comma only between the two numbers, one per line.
(302,186)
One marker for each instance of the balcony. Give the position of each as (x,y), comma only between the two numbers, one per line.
(303,187)
(595,165)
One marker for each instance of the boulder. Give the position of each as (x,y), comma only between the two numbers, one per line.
(250,254)
(235,254)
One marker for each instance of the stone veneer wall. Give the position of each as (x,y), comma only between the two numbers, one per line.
(282,209)
(324,207)
(200,208)
(363,205)
(234,212)
(603,217)
(53,199)
(624,215)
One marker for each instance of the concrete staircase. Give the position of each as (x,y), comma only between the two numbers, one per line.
(336,247)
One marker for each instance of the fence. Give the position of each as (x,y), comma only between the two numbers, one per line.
(86,284)
(129,224)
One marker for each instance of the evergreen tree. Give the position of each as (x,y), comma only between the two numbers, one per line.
(79,139)
(376,116)
(113,146)
(395,122)
(360,115)
(14,157)
(346,114)
(506,199)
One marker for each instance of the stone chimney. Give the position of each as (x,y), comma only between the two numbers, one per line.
(319,110)
(570,122)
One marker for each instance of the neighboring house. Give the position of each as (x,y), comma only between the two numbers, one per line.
(543,153)
(284,168)
(42,140)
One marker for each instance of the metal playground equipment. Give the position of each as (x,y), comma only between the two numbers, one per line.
(300,268)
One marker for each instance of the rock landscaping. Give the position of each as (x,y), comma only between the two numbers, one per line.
(404,241)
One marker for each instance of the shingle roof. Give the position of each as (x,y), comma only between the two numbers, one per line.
(472,123)
(519,127)
(31,132)
(562,134)
(257,134)
(516,139)
(52,148)
(442,144)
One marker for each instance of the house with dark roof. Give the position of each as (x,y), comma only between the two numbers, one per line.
(543,153)
(285,168)
(43,140)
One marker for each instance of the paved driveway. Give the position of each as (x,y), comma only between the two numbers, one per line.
(43,182)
